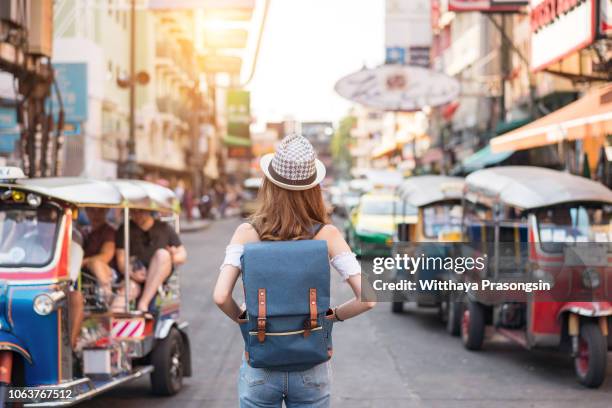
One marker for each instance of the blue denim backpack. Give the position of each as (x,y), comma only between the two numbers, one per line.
(286,286)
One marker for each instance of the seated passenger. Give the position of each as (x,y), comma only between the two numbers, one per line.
(155,248)
(99,247)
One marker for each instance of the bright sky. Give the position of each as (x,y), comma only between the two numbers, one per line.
(307,46)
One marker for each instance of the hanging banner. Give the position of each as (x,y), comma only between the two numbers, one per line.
(398,88)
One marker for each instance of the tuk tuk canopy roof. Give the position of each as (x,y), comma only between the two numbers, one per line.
(96,193)
(424,190)
(527,187)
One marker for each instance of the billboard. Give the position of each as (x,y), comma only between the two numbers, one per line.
(486,6)
(551,21)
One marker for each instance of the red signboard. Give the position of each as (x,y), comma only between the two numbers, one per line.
(486,6)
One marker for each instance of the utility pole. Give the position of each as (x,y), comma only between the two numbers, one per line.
(503,69)
(132,170)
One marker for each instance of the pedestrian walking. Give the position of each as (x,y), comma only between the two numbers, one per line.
(286,244)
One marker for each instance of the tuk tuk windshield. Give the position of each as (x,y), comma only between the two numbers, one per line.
(27,235)
(574,224)
(441,218)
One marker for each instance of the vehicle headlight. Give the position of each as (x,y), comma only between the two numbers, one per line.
(33,200)
(591,278)
(46,303)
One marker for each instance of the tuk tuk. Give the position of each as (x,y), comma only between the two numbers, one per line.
(541,226)
(40,264)
(438,203)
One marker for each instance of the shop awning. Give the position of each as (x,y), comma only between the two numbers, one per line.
(589,116)
(484,157)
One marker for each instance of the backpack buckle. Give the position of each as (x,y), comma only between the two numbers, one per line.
(261,329)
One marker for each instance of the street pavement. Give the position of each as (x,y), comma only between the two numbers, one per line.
(380,359)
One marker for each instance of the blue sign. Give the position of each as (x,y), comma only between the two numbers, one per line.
(396,55)
(8,118)
(9,130)
(72,82)
(7,142)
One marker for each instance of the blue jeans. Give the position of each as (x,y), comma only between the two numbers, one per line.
(262,388)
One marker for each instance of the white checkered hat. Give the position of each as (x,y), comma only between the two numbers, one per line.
(294,166)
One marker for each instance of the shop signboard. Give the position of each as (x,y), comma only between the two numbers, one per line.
(238,137)
(398,88)
(551,21)
(9,129)
(486,6)
(72,82)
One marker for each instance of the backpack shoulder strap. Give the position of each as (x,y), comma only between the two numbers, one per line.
(316,228)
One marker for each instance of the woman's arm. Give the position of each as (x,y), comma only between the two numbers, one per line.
(229,274)
(337,246)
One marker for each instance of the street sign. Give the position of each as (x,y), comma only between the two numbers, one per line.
(486,6)
(220,63)
(72,82)
(234,38)
(398,88)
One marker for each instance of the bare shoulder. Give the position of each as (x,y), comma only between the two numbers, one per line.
(244,234)
(335,240)
(329,232)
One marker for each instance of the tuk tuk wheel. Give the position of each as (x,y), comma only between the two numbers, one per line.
(397,307)
(591,359)
(167,376)
(473,326)
(453,319)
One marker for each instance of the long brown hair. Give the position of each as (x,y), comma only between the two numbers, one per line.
(284,215)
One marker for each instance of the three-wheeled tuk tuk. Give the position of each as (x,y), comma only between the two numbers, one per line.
(40,266)
(438,203)
(541,226)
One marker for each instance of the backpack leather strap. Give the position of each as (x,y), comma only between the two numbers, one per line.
(312,322)
(261,315)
